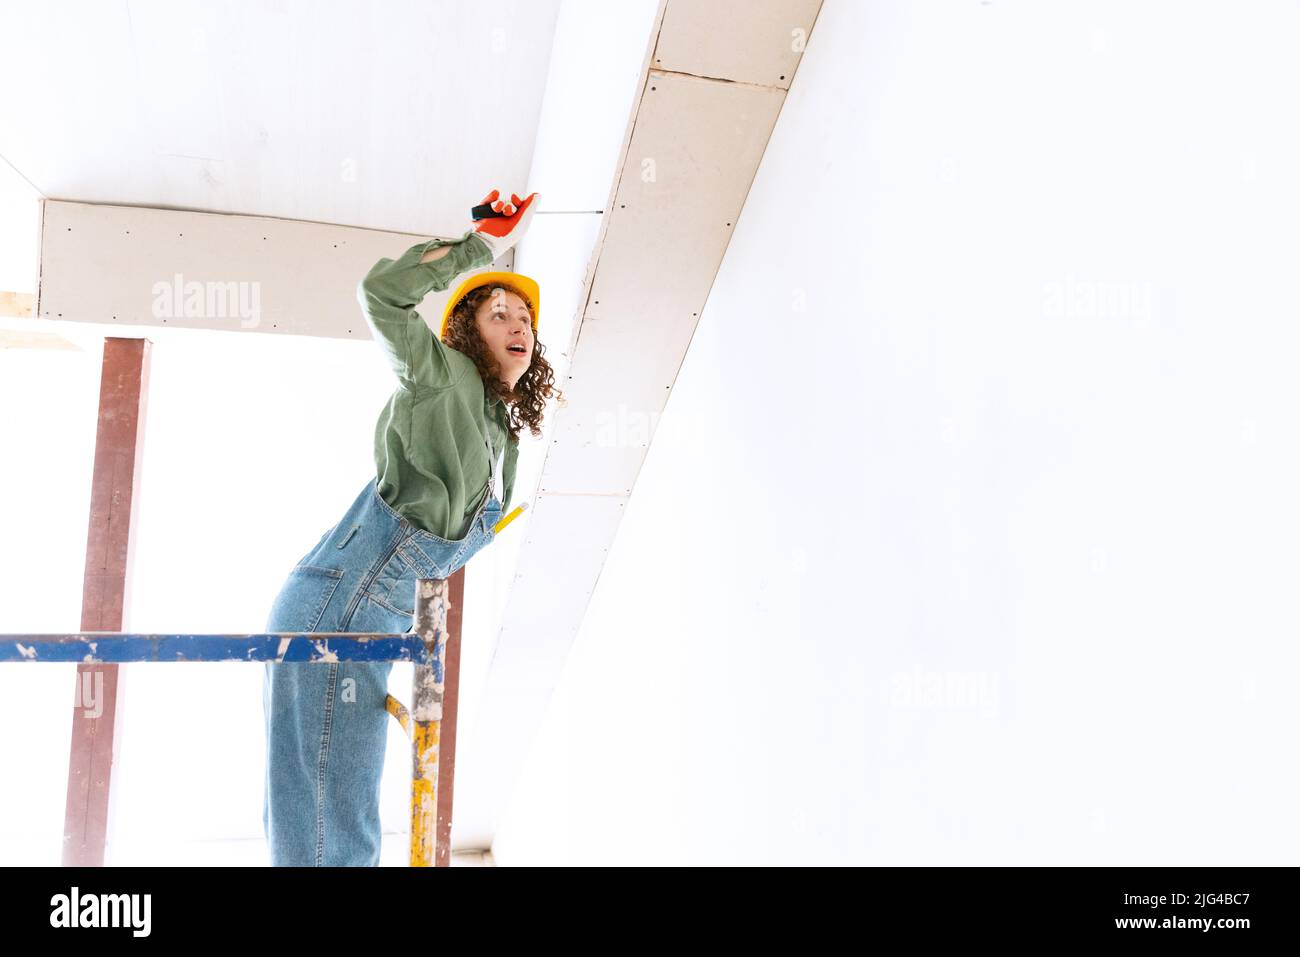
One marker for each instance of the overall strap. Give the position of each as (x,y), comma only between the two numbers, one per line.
(493,475)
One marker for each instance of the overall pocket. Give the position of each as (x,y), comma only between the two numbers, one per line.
(303,598)
(393,586)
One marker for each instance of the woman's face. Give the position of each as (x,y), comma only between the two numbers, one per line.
(507,328)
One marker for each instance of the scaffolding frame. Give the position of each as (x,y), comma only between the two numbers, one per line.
(425,645)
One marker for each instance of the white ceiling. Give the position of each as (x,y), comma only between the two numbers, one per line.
(356,114)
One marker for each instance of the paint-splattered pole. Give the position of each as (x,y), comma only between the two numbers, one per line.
(430,838)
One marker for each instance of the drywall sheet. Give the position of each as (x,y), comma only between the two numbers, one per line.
(132,266)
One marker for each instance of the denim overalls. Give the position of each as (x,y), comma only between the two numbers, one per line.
(326,724)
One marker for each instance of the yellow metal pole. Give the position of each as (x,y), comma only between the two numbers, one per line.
(398,711)
(431,603)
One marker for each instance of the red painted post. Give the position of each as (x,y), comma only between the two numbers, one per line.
(450,706)
(119,445)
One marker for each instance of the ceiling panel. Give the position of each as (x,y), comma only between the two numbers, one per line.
(387,116)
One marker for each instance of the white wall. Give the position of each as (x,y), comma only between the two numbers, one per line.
(994,387)
(47,443)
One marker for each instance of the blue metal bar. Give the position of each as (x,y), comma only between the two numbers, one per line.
(425,645)
(108,647)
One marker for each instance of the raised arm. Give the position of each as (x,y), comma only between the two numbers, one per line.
(393,288)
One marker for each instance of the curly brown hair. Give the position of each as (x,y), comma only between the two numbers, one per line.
(526,403)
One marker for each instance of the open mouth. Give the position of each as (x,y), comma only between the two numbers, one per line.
(517,349)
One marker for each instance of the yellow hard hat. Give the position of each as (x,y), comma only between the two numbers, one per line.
(529,287)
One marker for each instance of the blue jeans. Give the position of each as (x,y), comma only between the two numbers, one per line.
(326,724)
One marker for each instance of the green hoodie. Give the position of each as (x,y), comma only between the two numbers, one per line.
(430,450)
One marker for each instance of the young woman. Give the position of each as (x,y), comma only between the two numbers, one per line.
(441,487)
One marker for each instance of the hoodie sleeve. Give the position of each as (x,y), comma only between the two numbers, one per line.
(389,294)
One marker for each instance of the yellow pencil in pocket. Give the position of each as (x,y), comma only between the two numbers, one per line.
(514,514)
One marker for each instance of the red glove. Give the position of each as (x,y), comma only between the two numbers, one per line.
(502,232)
